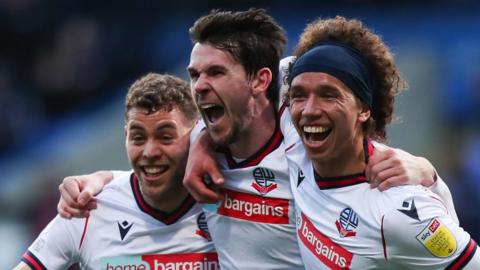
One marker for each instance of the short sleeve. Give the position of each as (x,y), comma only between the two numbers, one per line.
(57,245)
(419,233)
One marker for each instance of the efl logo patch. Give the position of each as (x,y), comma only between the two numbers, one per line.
(438,239)
(347,223)
(264,180)
(202,227)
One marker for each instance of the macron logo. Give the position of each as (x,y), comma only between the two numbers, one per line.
(124,227)
(410,209)
(301,176)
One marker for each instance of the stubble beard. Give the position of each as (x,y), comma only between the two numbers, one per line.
(227,140)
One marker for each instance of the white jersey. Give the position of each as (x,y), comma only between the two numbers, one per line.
(254,227)
(344,224)
(125,233)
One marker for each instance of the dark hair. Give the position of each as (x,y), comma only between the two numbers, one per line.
(252,37)
(388,82)
(161,92)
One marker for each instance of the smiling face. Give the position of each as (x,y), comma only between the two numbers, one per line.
(222,91)
(328,118)
(157,146)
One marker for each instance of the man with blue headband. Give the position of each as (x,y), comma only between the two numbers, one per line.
(341,96)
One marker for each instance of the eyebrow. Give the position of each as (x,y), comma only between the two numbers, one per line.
(215,66)
(135,126)
(163,125)
(295,88)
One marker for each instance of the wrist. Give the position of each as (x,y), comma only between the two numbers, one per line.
(104,176)
(205,141)
(431,174)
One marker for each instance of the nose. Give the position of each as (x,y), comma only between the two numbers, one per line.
(312,106)
(152,149)
(201,84)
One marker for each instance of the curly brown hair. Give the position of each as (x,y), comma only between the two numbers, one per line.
(387,77)
(252,37)
(161,92)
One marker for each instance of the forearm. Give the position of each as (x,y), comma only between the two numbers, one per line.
(441,189)
(103,177)
(22,266)
(201,162)
(204,143)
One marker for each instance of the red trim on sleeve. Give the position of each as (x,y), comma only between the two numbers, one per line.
(465,257)
(32,261)
(84,232)
(383,241)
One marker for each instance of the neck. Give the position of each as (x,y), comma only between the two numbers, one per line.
(349,160)
(168,202)
(258,133)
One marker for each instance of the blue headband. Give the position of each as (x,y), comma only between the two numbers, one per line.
(341,61)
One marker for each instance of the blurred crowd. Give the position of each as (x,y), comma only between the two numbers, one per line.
(65,66)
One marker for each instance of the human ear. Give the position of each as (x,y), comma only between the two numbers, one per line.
(261,81)
(364,114)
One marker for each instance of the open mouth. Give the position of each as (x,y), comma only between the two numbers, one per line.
(213,112)
(152,171)
(316,133)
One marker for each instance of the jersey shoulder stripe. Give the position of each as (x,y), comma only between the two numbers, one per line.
(32,261)
(465,256)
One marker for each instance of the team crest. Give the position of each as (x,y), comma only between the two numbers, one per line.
(202,227)
(264,180)
(347,223)
(438,239)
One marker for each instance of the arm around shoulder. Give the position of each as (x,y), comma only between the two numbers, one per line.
(441,189)
(202,166)
(77,193)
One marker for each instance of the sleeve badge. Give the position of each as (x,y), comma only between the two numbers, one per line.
(438,239)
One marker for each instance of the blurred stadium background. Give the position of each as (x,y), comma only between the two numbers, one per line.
(65,67)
